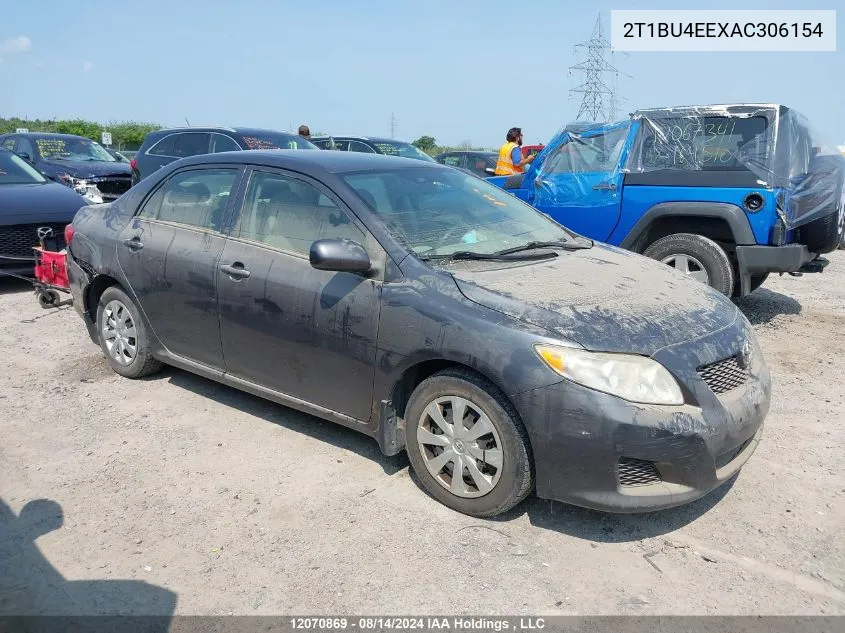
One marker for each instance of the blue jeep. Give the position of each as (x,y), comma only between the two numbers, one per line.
(726,194)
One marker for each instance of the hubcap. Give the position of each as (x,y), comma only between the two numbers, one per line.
(460,447)
(688,265)
(119,333)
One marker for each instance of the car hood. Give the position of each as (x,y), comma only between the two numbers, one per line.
(48,202)
(603,298)
(85,169)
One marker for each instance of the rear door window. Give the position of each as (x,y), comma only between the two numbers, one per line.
(191,144)
(196,198)
(164,147)
(223,143)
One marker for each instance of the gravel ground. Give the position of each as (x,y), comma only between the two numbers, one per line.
(176,493)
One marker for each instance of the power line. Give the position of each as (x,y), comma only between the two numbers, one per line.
(599,101)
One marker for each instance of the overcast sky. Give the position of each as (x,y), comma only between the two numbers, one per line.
(459,70)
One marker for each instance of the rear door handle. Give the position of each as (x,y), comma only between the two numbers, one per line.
(235,271)
(605,186)
(134,244)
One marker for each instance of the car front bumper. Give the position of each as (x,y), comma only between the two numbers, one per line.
(598,451)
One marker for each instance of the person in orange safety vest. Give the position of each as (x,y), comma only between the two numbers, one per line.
(510,159)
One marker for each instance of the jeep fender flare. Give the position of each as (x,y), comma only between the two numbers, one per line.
(730,213)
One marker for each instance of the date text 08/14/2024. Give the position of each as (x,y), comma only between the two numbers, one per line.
(418,624)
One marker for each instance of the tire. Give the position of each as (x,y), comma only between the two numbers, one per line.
(511,473)
(821,236)
(116,313)
(48,298)
(702,255)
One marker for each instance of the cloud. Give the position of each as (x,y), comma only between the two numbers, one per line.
(87,66)
(19,44)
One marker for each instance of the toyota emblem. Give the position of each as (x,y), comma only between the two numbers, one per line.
(744,356)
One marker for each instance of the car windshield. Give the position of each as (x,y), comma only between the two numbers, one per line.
(404,150)
(72,149)
(437,211)
(277,140)
(14,170)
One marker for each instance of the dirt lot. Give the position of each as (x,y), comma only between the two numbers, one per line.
(236,505)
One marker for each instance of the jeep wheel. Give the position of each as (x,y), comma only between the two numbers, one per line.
(696,256)
(467,445)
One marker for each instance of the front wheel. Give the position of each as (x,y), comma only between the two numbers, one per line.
(467,445)
(696,256)
(123,337)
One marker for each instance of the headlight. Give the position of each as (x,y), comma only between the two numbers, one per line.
(633,378)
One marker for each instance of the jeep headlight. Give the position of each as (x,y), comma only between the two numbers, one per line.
(633,378)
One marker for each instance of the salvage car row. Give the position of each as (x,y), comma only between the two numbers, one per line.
(441,315)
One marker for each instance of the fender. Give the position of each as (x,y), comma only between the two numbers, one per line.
(730,213)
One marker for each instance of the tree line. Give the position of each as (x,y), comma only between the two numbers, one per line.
(430,146)
(129,135)
(126,135)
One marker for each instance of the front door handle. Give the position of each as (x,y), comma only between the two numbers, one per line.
(235,271)
(605,186)
(133,244)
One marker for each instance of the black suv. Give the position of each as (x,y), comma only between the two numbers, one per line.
(75,161)
(371,145)
(162,147)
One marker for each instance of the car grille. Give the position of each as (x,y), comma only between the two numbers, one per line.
(724,375)
(114,187)
(636,472)
(18,240)
(726,458)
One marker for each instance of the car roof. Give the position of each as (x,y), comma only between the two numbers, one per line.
(482,152)
(220,128)
(49,135)
(691,110)
(347,137)
(317,161)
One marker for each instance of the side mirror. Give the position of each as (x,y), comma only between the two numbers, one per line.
(25,156)
(490,170)
(339,255)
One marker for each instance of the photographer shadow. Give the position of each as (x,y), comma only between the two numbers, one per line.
(32,588)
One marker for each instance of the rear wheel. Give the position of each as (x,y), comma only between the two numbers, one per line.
(467,445)
(696,256)
(123,337)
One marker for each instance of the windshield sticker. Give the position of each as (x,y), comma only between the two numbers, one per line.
(253,142)
(48,147)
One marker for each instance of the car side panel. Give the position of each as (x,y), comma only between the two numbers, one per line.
(425,317)
(637,200)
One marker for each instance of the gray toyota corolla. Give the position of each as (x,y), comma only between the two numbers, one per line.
(434,312)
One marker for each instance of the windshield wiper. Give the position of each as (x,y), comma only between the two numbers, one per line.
(563,243)
(468,255)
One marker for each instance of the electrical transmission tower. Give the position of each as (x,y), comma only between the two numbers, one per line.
(392,126)
(599,101)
